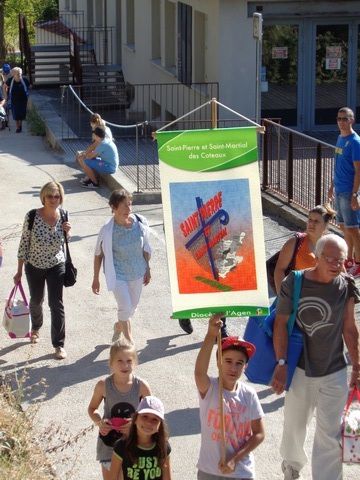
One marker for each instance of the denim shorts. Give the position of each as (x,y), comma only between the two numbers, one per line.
(105,464)
(345,215)
(98,165)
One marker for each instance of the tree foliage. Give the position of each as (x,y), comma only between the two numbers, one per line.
(34,10)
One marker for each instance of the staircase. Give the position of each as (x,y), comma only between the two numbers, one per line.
(69,53)
(104,88)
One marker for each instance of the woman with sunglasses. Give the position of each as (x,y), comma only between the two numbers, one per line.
(41,250)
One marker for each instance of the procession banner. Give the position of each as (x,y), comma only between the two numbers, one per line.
(213,222)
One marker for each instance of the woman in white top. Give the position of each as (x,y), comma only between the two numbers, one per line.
(123,248)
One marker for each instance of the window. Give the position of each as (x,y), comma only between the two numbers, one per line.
(199,47)
(67,5)
(73,5)
(155,29)
(184,67)
(170,35)
(130,22)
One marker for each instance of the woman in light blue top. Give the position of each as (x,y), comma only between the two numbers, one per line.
(123,245)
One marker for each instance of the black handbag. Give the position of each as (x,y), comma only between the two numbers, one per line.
(70,270)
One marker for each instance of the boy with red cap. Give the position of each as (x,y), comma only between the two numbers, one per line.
(244,429)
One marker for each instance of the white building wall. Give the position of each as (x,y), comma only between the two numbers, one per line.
(236,57)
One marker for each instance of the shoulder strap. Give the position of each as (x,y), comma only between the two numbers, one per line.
(138,218)
(10,88)
(24,86)
(32,215)
(64,215)
(64,218)
(298,279)
(299,238)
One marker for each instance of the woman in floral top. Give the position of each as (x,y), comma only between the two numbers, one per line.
(41,250)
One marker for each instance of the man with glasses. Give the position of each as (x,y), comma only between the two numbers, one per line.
(326,318)
(345,186)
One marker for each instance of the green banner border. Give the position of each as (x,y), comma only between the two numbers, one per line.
(232,311)
(203,159)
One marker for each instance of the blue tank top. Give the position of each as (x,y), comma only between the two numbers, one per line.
(127,248)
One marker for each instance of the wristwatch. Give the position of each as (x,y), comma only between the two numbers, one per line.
(282,362)
(355,194)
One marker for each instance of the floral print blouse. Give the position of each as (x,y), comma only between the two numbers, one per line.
(42,247)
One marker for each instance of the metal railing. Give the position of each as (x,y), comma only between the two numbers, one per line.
(73,19)
(296,166)
(90,39)
(124,104)
(134,113)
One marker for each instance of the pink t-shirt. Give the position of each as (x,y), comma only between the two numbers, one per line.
(240,408)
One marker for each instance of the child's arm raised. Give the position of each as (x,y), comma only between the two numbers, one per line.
(258,435)
(203,359)
(94,414)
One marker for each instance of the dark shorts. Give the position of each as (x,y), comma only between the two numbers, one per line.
(345,215)
(98,165)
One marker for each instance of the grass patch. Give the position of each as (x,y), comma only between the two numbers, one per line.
(35,123)
(25,452)
(21,457)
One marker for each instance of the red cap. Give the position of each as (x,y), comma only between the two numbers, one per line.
(238,342)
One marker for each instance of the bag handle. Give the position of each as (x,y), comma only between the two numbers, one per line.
(354,392)
(298,278)
(13,294)
(64,218)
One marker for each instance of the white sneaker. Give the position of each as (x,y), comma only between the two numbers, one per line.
(60,353)
(289,472)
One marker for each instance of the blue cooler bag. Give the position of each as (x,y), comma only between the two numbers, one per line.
(259,331)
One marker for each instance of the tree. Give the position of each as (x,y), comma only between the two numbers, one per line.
(2,32)
(34,10)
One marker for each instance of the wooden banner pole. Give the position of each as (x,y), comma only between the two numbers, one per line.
(214,112)
(221,402)
(214,124)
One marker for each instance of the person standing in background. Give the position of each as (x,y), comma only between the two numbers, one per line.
(345,185)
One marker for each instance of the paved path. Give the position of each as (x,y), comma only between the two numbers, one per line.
(166,354)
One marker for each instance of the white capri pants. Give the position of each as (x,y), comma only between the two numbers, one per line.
(127,296)
(327,396)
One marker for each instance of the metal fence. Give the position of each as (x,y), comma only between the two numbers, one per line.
(133,113)
(124,104)
(296,166)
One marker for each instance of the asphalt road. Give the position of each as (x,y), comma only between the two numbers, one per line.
(166,354)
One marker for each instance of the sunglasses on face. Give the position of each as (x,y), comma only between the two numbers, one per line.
(342,119)
(55,197)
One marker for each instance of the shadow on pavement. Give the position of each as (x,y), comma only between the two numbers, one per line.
(45,382)
(11,348)
(274,405)
(183,422)
(160,348)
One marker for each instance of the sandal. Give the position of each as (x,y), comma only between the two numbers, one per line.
(34,337)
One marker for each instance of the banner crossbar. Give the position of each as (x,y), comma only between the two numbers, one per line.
(260,128)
